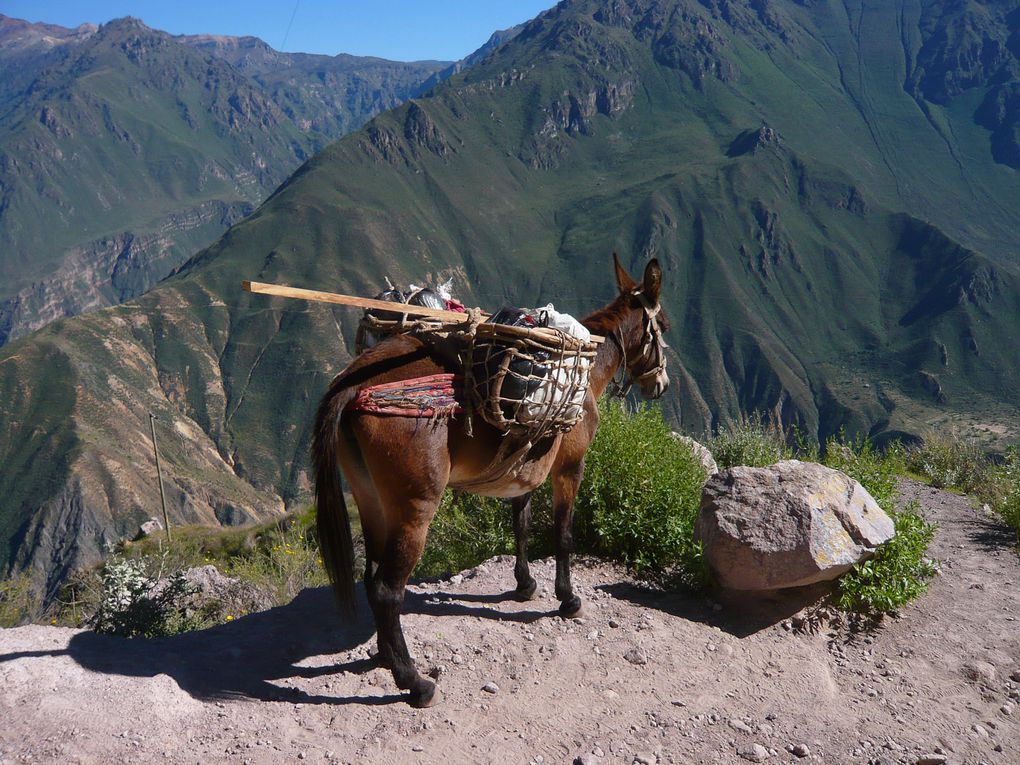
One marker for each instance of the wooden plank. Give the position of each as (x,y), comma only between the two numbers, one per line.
(279,290)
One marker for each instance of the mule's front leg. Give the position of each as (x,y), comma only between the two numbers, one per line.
(566,479)
(526,584)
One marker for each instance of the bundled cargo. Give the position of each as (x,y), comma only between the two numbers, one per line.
(376,325)
(529,370)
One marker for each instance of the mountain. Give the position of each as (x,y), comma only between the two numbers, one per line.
(124,150)
(819,180)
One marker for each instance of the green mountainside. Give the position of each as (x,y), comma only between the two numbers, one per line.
(837,230)
(124,150)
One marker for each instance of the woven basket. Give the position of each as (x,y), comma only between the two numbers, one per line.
(528,380)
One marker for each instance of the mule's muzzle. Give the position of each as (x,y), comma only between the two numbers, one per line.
(655,387)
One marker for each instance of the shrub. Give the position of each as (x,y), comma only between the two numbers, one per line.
(639,498)
(947,462)
(898,573)
(137,601)
(754,442)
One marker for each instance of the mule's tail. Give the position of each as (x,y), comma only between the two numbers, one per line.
(331,520)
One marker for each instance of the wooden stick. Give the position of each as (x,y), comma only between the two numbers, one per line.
(279,290)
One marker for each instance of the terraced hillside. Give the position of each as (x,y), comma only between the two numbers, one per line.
(835,221)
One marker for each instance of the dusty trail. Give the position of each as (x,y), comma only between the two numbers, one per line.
(642,677)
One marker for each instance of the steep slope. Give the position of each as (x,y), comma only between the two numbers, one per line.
(834,253)
(124,150)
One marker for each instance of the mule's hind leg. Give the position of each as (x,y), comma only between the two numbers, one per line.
(390,583)
(384,658)
(526,584)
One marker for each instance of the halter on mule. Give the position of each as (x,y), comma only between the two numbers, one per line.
(398,467)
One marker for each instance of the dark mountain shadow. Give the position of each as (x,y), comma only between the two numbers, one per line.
(743,613)
(243,657)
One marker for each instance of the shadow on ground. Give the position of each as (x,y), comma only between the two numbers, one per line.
(742,614)
(241,658)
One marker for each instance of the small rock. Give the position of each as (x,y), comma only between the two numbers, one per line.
(456,579)
(636,656)
(754,753)
(585,759)
(1015,676)
(457,659)
(800,750)
(1006,709)
(931,759)
(301,755)
(645,759)
(490,687)
(613,623)
(417,748)
(980,730)
(739,725)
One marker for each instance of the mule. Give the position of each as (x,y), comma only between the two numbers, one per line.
(398,467)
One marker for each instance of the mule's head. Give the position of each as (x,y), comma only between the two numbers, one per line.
(641,338)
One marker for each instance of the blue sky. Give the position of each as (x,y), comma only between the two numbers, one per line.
(403,30)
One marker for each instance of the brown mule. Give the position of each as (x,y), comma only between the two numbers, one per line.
(398,467)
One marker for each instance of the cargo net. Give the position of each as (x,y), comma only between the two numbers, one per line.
(375,325)
(528,379)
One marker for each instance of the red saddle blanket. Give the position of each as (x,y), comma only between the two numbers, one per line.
(432,396)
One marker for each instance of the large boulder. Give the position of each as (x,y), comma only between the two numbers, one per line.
(787,525)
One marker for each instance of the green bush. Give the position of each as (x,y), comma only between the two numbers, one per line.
(640,494)
(754,442)
(898,573)
(947,462)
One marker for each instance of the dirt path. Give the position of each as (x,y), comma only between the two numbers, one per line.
(641,678)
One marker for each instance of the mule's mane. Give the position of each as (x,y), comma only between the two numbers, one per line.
(605,320)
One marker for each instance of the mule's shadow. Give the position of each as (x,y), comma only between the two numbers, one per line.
(242,657)
(245,656)
(742,614)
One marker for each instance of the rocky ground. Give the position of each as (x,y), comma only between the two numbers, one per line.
(642,678)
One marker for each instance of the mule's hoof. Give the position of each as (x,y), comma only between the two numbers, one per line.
(424,694)
(526,592)
(570,607)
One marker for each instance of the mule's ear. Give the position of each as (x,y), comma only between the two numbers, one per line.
(623,280)
(653,280)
